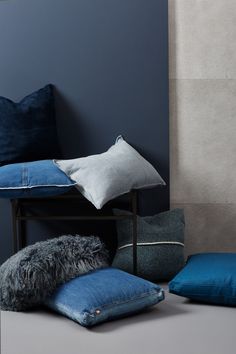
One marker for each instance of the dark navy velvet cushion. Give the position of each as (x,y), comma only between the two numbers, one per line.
(28,128)
(33,179)
(102,295)
(208,277)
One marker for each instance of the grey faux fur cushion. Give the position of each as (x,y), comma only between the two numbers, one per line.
(28,277)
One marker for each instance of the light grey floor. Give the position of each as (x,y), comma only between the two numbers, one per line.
(175,326)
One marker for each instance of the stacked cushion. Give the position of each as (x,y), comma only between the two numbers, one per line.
(101,178)
(104,295)
(33,179)
(28,128)
(70,275)
(160,248)
(208,277)
(31,275)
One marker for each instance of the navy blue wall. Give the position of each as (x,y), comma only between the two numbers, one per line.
(109,62)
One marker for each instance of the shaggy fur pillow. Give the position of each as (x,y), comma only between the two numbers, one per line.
(31,275)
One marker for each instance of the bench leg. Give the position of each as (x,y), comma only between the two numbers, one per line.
(14,225)
(21,237)
(135,231)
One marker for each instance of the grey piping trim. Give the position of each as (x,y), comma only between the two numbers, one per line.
(153,243)
(38,185)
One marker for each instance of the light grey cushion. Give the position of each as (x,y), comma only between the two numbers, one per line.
(103,177)
(160,245)
(31,275)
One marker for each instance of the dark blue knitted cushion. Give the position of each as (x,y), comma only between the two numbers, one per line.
(160,248)
(28,128)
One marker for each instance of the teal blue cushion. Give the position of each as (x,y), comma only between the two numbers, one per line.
(102,295)
(33,179)
(160,245)
(208,277)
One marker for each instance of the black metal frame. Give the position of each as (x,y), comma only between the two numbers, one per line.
(19,217)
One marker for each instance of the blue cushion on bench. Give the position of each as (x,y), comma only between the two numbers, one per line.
(33,179)
(208,277)
(103,295)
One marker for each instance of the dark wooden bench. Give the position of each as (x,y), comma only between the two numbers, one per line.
(21,214)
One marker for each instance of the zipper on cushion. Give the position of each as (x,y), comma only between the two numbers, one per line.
(24,176)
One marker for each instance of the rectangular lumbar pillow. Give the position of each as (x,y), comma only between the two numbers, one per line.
(160,248)
(33,179)
(208,277)
(103,177)
(28,129)
(104,295)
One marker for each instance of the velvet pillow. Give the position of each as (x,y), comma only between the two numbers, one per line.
(103,295)
(208,277)
(160,248)
(28,128)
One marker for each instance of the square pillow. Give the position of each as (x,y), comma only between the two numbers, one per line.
(104,295)
(160,244)
(103,177)
(28,128)
(33,179)
(208,277)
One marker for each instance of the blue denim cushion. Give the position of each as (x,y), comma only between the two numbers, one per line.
(208,277)
(104,295)
(33,179)
(28,128)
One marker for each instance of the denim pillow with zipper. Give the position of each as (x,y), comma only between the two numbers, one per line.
(33,179)
(102,295)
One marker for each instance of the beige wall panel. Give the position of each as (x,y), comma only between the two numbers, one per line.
(209,227)
(202,39)
(203,141)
